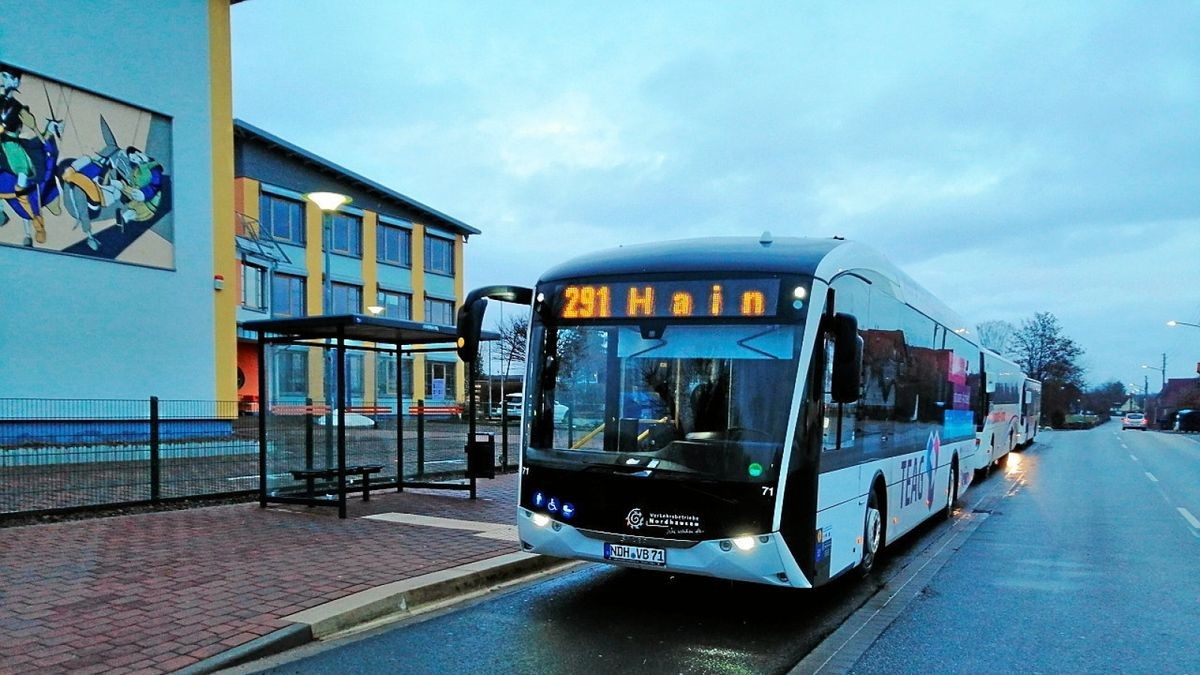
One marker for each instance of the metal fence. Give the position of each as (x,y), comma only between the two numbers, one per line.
(68,454)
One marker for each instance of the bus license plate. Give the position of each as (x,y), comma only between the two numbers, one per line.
(635,554)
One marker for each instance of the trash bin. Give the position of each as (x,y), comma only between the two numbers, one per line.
(481,456)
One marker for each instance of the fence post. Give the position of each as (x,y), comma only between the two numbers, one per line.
(420,437)
(155,469)
(308,433)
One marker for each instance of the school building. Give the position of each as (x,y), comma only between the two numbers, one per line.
(141,225)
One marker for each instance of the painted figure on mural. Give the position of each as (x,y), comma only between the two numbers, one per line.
(127,180)
(28,182)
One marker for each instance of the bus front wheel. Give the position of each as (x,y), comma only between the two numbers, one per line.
(872,533)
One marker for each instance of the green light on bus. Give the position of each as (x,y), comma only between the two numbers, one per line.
(755,469)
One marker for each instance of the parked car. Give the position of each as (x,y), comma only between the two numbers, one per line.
(1134,421)
(514,403)
(1188,420)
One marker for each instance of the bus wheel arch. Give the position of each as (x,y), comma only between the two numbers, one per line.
(874,525)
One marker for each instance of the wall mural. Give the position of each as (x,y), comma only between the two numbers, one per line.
(83,174)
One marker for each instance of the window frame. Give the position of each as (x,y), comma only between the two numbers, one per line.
(293,282)
(266,218)
(353,233)
(291,368)
(430,268)
(385,376)
(381,295)
(403,246)
(429,304)
(344,288)
(449,373)
(260,276)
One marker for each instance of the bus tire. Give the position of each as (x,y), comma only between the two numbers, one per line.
(951,490)
(873,529)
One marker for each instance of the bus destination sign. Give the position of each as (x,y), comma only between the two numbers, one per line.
(688,299)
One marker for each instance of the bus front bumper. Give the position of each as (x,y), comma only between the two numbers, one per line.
(766,559)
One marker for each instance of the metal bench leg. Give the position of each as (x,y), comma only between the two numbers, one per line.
(366,486)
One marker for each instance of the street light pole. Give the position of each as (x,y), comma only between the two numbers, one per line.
(1162,371)
(328,202)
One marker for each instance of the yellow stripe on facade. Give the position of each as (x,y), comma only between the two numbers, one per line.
(370,277)
(314,263)
(224,257)
(418,302)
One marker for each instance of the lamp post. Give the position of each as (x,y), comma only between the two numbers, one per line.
(1162,371)
(328,202)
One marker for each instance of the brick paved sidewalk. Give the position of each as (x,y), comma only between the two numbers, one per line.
(162,591)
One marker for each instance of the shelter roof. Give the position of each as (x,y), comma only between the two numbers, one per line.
(354,327)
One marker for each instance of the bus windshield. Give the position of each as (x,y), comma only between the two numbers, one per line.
(662,401)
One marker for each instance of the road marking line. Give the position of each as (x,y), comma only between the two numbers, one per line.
(1187,515)
(1151,477)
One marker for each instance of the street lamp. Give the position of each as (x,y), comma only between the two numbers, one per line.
(328,202)
(1163,371)
(1172,323)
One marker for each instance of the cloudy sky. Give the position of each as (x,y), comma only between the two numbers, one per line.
(1013,157)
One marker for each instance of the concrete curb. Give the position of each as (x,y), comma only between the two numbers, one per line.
(401,597)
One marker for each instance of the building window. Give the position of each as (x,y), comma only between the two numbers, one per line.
(439,380)
(355,382)
(395,305)
(385,377)
(439,255)
(394,245)
(345,234)
(291,372)
(254,279)
(282,218)
(347,299)
(287,295)
(440,312)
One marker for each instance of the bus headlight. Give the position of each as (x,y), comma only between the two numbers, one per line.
(743,543)
(541,519)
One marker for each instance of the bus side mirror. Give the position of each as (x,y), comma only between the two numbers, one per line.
(847,359)
(469,324)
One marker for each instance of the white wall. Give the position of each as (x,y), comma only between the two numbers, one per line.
(76,327)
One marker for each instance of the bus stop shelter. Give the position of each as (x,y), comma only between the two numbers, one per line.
(338,335)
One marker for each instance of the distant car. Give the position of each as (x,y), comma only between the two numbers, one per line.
(1188,420)
(1134,421)
(514,403)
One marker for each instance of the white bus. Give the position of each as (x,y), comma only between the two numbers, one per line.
(1001,428)
(1031,412)
(774,411)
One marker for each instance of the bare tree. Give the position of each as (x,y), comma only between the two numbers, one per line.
(996,335)
(513,344)
(1045,354)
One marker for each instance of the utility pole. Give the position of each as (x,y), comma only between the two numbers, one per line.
(1164,373)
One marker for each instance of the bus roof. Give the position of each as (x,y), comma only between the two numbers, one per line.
(790,255)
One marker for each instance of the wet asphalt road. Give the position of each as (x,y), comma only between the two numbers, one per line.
(1090,566)
(1087,565)
(598,618)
